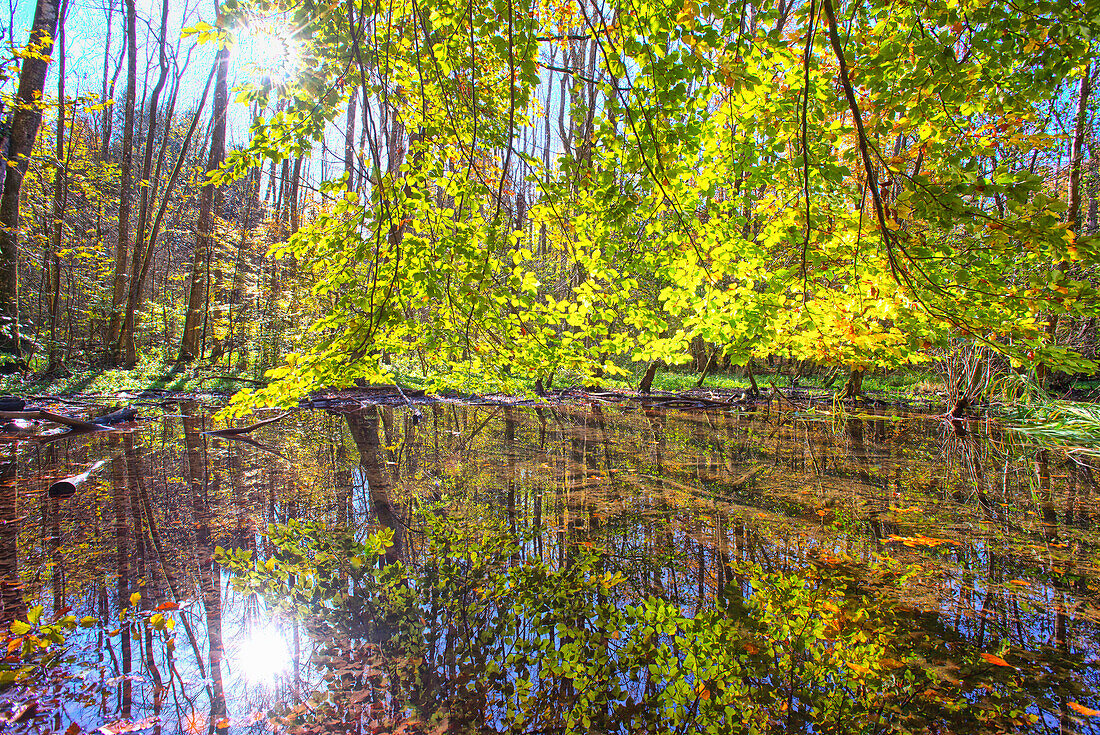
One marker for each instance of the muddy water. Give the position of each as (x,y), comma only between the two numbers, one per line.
(1003,533)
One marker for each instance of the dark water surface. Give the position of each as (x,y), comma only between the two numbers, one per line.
(1003,532)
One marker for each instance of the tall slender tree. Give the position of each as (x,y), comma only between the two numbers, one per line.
(125,206)
(53,257)
(126,347)
(24,128)
(197,296)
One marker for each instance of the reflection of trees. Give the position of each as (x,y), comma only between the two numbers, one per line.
(209,577)
(363,426)
(676,500)
(11,588)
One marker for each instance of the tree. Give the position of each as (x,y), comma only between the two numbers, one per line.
(197,295)
(840,184)
(125,196)
(24,129)
(52,260)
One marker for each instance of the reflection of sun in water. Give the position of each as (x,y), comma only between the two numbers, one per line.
(264,655)
(268,50)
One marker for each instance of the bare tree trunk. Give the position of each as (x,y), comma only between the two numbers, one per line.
(295,187)
(24,129)
(108,92)
(197,297)
(60,197)
(349,141)
(122,247)
(1073,198)
(1093,222)
(127,340)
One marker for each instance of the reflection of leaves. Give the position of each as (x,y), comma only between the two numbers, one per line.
(1083,710)
(919,540)
(123,726)
(996,660)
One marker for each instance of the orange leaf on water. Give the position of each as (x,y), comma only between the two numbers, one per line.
(996,660)
(166,606)
(1083,710)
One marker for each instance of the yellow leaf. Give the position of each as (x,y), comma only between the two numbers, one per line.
(135,598)
(859,668)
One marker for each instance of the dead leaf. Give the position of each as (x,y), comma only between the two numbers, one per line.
(996,660)
(167,606)
(919,540)
(1083,710)
(123,726)
(73,729)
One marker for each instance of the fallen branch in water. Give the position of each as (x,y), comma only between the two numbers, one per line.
(65,488)
(51,417)
(246,429)
(249,440)
(120,416)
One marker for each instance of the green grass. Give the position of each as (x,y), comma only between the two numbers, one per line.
(148,375)
(1065,424)
(154,373)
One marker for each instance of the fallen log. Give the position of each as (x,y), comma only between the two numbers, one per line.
(121,416)
(65,488)
(39,415)
(12,403)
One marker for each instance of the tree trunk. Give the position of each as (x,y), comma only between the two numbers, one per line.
(108,92)
(647,379)
(24,129)
(127,342)
(1073,199)
(295,187)
(197,297)
(349,142)
(60,192)
(853,387)
(122,247)
(1092,225)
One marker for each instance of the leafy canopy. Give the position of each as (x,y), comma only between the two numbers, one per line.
(718,181)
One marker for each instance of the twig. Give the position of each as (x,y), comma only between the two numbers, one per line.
(246,429)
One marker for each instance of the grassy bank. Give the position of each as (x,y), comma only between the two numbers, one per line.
(155,375)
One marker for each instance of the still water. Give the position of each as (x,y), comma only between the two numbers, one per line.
(1001,534)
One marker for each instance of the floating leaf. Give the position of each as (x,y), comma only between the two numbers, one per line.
(919,540)
(123,726)
(1083,710)
(996,660)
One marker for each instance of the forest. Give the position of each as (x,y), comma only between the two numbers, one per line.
(490,196)
(456,259)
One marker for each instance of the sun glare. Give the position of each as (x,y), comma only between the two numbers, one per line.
(266,50)
(264,655)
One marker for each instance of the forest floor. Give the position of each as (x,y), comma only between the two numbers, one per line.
(917,390)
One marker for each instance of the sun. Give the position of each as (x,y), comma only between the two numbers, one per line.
(264,655)
(269,52)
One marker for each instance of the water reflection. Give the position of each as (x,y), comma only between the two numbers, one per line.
(1003,533)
